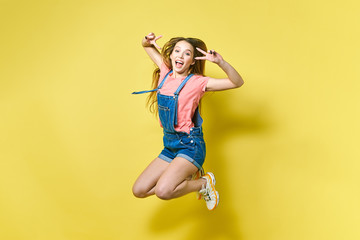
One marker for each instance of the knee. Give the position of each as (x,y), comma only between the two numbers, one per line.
(163,192)
(138,191)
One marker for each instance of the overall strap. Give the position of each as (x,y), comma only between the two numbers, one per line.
(182,84)
(163,81)
(153,90)
(176,94)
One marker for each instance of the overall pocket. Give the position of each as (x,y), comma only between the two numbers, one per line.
(187,142)
(165,118)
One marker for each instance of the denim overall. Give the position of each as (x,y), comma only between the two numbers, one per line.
(179,144)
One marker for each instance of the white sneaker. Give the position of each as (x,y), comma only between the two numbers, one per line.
(210,195)
(196,176)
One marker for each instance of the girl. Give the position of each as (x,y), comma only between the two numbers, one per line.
(179,83)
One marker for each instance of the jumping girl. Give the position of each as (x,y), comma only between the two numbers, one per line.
(178,85)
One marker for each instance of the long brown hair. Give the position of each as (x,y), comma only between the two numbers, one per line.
(198,68)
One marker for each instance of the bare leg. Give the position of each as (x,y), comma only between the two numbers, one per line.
(144,185)
(174,181)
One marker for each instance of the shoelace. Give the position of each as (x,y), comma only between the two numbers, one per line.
(205,193)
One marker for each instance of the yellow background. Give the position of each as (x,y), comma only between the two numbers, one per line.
(284,147)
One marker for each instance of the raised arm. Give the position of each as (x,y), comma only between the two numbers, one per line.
(234,79)
(150,46)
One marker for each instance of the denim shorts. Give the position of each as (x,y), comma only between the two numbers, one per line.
(189,146)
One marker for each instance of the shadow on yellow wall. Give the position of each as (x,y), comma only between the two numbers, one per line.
(223,121)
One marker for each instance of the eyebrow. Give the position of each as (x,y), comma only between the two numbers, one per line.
(185,49)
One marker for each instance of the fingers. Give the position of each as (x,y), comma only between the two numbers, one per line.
(200,58)
(158,37)
(157,46)
(212,52)
(200,50)
(151,38)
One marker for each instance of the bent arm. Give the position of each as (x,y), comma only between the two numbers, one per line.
(234,79)
(150,47)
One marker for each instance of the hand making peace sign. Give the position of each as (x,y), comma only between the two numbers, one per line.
(211,56)
(151,39)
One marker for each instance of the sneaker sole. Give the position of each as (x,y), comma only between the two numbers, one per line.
(213,181)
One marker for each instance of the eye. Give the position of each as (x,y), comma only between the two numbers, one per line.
(188,54)
(176,50)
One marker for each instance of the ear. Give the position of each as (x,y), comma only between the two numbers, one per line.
(193,62)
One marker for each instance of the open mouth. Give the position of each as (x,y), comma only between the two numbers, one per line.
(179,64)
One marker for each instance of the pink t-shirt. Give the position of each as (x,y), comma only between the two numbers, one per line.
(189,96)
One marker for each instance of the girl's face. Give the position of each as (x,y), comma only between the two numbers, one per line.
(182,57)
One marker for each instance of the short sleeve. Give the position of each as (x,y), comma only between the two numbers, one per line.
(202,82)
(163,71)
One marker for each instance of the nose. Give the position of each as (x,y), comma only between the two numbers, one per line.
(181,55)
